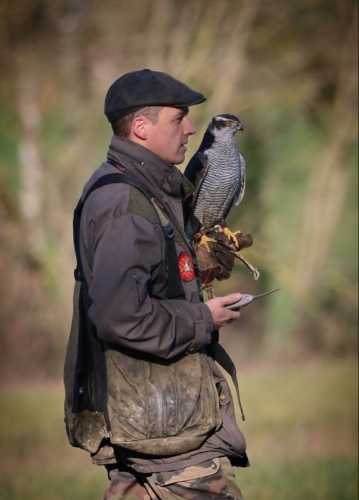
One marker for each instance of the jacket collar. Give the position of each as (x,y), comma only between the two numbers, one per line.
(147,167)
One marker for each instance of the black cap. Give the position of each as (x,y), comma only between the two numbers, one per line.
(145,87)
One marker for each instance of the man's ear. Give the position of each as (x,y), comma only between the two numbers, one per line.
(139,127)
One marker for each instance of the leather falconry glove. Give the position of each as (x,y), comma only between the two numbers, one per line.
(216,253)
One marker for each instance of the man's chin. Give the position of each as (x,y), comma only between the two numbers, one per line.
(179,158)
(176,159)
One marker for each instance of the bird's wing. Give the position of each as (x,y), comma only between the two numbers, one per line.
(196,171)
(238,197)
(237,194)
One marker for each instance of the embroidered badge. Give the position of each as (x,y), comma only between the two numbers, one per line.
(185,266)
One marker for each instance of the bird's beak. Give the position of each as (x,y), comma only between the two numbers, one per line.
(240,127)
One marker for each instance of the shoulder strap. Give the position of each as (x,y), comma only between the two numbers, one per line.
(220,355)
(102,181)
(175,288)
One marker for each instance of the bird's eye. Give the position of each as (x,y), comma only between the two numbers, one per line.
(222,123)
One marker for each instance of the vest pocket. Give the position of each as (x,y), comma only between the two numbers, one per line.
(127,401)
(151,401)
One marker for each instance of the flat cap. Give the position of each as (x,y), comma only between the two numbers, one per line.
(145,87)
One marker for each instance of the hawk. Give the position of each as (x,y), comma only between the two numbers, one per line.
(218,172)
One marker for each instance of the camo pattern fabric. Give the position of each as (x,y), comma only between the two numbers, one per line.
(213,479)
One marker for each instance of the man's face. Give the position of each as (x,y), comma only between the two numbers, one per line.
(167,138)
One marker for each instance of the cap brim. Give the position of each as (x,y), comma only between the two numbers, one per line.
(198,99)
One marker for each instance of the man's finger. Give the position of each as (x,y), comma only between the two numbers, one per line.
(235,315)
(231,298)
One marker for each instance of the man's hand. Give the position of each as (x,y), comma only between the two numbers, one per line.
(222,316)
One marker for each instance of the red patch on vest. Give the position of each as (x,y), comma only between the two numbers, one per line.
(185,266)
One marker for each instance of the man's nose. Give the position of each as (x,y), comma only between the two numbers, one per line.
(188,126)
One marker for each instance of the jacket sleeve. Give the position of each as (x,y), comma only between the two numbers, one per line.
(126,249)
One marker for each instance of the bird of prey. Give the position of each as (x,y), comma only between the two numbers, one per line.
(218,172)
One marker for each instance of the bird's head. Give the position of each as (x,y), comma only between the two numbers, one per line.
(225,124)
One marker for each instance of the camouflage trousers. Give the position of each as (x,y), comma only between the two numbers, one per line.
(213,479)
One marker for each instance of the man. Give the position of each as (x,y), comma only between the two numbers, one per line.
(144,394)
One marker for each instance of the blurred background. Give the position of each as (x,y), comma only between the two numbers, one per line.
(289,69)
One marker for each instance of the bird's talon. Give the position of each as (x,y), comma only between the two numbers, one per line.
(231,236)
(205,241)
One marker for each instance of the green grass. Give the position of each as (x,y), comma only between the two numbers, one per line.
(312,479)
(52,486)
(301,430)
